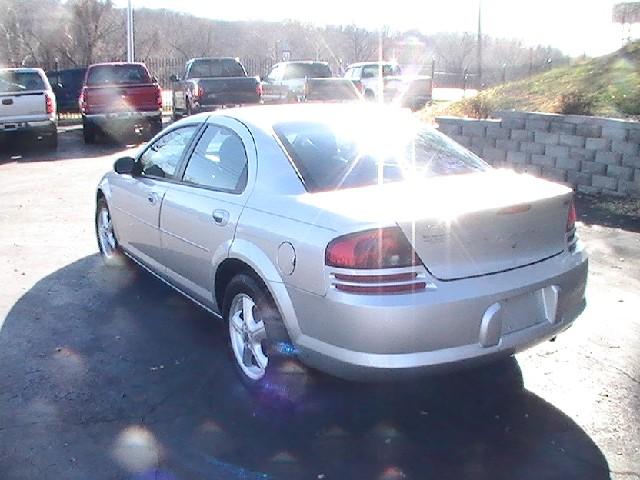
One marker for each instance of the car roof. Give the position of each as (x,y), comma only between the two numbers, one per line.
(111,64)
(235,59)
(265,116)
(304,62)
(22,69)
(361,64)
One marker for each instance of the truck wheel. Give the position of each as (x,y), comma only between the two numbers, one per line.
(88,132)
(369,95)
(155,127)
(51,141)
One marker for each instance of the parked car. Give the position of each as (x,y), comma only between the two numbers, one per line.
(412,91)
(28,105)
(211,83)
(286,80)
(379,249)
(119,98)
(67,85)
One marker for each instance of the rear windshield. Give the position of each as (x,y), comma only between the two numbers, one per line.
(309,70)
(117,75)
(216,68)
(350,154)
(14,81)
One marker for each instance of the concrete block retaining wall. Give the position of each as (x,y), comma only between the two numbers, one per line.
(594,155)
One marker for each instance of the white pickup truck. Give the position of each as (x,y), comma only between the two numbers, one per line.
(411,91)
(27,106)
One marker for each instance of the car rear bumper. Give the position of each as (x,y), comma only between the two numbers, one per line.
(200,107)
(124,118)
(38,128)
(377,337)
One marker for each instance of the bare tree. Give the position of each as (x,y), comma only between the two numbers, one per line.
(454,51)
(96,30)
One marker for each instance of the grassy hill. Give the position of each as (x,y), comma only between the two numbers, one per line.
(606,86)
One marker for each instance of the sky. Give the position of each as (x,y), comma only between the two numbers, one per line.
(576,27)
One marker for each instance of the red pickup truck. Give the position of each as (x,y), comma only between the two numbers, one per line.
(119,98)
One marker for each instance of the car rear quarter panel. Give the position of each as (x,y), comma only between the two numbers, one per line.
(274,215)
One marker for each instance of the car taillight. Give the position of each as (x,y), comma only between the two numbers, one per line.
(83,100)
(572,237)
(259,89)
(372,249)
(48,98)
(159,97)
(199,92)
(571,218)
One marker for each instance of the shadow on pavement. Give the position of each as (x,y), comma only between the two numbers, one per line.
(107,373)
(623,213)
(26,148)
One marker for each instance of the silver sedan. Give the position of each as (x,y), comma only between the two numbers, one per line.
(351,238)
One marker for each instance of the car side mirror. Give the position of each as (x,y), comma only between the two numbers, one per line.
(174,78)
(124,166)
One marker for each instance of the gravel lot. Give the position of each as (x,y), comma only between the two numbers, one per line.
(108,374)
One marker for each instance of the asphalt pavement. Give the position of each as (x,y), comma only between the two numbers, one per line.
(108,374)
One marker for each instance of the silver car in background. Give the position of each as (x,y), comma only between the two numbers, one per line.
(352,237)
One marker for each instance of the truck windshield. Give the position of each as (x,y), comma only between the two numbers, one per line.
(117,75)
(309,70)
(336,155)
(216,67)
(16,81)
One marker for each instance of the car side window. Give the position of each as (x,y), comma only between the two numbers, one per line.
(162,157)
(219,161)
(370,71)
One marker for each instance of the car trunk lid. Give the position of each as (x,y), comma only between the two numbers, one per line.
(488,226)
(463,226)
(491,240)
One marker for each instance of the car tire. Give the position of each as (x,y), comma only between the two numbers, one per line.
(88,133)
(108,245)
(155,127)
(50,142)
(257,335)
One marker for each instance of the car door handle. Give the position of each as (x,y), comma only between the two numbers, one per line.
(152,198)
(221,217)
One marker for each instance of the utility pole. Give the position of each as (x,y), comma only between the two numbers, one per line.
(479,44)
(130,40)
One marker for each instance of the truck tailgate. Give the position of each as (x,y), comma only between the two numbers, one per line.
(228,91)
(22,107)
(121,98)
